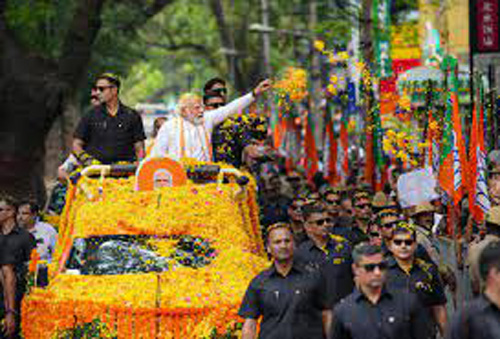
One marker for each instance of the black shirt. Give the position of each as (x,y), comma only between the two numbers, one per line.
(299,238)
(396,316)
(478,320)
(335,261)
(15,249)
(423,280)
(353,234)
(111,139)
(291,306)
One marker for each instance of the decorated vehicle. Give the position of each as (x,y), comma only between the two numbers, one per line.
(165,253)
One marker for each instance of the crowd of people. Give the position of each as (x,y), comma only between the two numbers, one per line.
(347,262)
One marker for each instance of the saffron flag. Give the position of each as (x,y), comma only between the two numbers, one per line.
(330,149)
(478,190)
(311,153)
(453,156)
(343,150)
(481,194)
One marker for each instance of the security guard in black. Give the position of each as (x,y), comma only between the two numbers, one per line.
(108,138)
(290,306)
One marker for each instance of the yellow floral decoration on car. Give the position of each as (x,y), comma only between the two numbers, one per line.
(182,302)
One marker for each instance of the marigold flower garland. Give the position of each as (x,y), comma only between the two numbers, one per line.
(183,302)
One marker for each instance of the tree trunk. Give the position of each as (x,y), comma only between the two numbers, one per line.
(33,93)
(228,45)
(366,32)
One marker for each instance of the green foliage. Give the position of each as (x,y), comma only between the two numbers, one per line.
(40,25)
(180,48)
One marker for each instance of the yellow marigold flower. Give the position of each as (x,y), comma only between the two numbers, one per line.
(319,45)
(391,134)
(343,56)
(331,89)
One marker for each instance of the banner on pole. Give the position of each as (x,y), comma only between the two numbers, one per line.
(381,13)
(484,19)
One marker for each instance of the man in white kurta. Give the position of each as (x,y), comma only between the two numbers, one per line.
(189,134)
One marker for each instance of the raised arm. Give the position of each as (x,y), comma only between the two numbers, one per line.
(219,115)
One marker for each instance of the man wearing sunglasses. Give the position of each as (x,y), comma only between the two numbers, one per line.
(373,311)
(331,198)
(327,252)
(388,219)
(409,274)
(112,132)
(362,215)
(227,138)
(297,220)
(217,86)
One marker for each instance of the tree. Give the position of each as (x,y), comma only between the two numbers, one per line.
(38,86)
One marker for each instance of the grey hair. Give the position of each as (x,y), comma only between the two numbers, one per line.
(364,249)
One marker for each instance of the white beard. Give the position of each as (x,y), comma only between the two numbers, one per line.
(197,120)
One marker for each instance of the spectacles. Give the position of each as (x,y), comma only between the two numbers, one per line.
(101,88)
(221,90)
(216,105)
(371,267)
(399,242)
(363,206)
(322,222)
(374,234)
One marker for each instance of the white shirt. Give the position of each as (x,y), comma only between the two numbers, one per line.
(194,141)
(46,237)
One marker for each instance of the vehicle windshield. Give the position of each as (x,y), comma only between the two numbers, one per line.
(129,254)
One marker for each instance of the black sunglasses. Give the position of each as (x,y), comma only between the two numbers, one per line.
(322,222)
(221,90)
(363,206)
(216,105)
(374,234)
(371,267)
(332,202)
(101,88)
(390,225)
(399,242)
